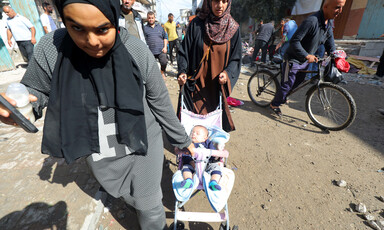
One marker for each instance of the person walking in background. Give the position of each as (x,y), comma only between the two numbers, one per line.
(170,29)
(22,31)
(288,29)
(131,20)
(179,31)
(262,39)
(46,18)
(156,41)
(209,60)
(317,29)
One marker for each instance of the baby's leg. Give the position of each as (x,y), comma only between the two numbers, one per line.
(216,177)
(215,170)
(188,166)
(187,171)
(187,175)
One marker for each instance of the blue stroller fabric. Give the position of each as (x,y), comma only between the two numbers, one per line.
(218,135)
(183,194)
(218,199)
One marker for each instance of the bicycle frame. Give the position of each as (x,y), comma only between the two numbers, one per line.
(318,76)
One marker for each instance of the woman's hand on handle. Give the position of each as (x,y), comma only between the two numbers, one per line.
(223,78)
(4,113)
(182,79)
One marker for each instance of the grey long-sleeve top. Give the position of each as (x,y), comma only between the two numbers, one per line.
(159,113)
(309,36)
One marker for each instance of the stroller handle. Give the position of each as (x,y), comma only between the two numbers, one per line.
(185,107)
(201,153)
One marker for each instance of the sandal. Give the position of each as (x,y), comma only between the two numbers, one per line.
(276,110)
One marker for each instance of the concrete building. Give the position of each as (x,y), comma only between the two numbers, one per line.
(360,19)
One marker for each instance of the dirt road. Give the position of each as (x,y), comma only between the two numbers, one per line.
(285,168)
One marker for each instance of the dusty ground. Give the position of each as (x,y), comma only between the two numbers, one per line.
(285,168)
(285,172)
(37,191)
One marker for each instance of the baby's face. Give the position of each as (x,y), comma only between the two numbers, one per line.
(199,134)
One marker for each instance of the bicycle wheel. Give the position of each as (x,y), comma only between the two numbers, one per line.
(262,87)
(330,107)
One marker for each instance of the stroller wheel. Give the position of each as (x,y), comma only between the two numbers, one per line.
(223,226)
(179,226)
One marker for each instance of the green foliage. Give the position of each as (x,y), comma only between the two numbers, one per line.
(261,9)
(238,11)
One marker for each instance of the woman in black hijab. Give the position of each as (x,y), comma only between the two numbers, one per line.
(106,101)
(210,58)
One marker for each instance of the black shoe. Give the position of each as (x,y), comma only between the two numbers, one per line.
(277,110)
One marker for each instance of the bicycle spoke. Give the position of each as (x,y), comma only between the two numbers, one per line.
(267,91)
(262,87)
(329,107)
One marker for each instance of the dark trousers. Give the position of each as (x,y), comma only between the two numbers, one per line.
(26,49)
(260,44)
(283,48)
(172,45)
(290,79)
(162,57)
(152,219)
(380,68)
(271,51)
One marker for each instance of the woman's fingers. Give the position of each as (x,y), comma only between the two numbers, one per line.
(32,98)
(223,78)
(3,111)
(182,79)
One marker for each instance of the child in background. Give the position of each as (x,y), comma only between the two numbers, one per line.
(199,136)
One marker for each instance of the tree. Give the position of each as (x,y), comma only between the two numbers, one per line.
(261,9)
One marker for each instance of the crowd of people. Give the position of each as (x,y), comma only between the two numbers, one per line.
(101,70)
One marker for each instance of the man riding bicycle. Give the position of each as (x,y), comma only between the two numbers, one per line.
(315,30)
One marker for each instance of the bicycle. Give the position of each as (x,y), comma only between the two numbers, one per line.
(329,106)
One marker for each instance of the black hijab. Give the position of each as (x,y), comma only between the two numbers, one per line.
(82,84)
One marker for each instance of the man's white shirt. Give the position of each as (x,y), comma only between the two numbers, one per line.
(47,20)
(20,27)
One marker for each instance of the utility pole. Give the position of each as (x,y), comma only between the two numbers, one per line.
(194,6)
(158,6)
(153,6)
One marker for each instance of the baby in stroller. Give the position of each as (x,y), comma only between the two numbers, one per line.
(199,136)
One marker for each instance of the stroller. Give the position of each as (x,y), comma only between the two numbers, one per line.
(201,179)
